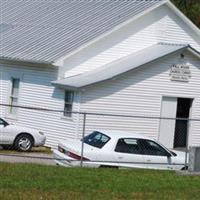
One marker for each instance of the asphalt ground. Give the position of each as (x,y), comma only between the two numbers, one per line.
(20,157)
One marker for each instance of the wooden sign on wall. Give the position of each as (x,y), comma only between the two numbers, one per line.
(180,72)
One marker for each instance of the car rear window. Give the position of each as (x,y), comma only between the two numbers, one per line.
(96,139)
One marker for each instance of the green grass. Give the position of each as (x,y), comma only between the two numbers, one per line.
(35,182)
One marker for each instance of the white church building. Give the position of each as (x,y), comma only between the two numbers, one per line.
(139,58)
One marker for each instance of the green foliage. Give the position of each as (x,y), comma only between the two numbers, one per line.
(37,182)
(191,8)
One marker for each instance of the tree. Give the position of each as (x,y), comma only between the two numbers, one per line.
(191,8)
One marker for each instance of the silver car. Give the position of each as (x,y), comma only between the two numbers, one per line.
(20,138)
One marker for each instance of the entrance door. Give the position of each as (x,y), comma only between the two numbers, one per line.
(181,128)
(167,126)
(173,132)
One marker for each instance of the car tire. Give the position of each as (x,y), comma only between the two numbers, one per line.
(184,168)
(23,142)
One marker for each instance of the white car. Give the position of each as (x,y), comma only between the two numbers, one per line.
(118,149)
(21,138)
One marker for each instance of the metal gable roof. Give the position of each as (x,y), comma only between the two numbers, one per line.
(123,65)
(41,30)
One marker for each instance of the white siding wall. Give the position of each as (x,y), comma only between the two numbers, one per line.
(161,25)
(174,29)
(140,92)
(36,91)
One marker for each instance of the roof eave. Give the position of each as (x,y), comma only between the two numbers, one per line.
(114,77)
(71,87)
(63,86)
(194,51)
(29,62)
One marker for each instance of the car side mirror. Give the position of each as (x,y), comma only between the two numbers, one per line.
(168,154)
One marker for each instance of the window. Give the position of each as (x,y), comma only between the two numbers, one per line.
(69,97)
(96,139)
(14,96)
(152,148)
(128,145)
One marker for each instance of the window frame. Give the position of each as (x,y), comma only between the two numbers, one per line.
(67,114)
(13,97)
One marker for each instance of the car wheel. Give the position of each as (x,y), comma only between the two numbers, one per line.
(185,168)
(23,142)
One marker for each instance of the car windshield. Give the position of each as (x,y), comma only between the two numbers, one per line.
(3,122)
(96,139)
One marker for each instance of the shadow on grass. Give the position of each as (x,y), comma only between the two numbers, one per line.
(44,150)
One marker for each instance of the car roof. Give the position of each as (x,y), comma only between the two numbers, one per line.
(119,134)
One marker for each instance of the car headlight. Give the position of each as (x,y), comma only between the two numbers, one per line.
(41,133)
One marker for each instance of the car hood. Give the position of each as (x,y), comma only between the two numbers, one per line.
(179,153)
(181,156)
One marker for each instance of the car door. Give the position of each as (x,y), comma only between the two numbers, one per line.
(128,153)
(5,137)
(155,156)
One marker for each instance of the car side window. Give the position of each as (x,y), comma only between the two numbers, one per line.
(152,148)
(128,145)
